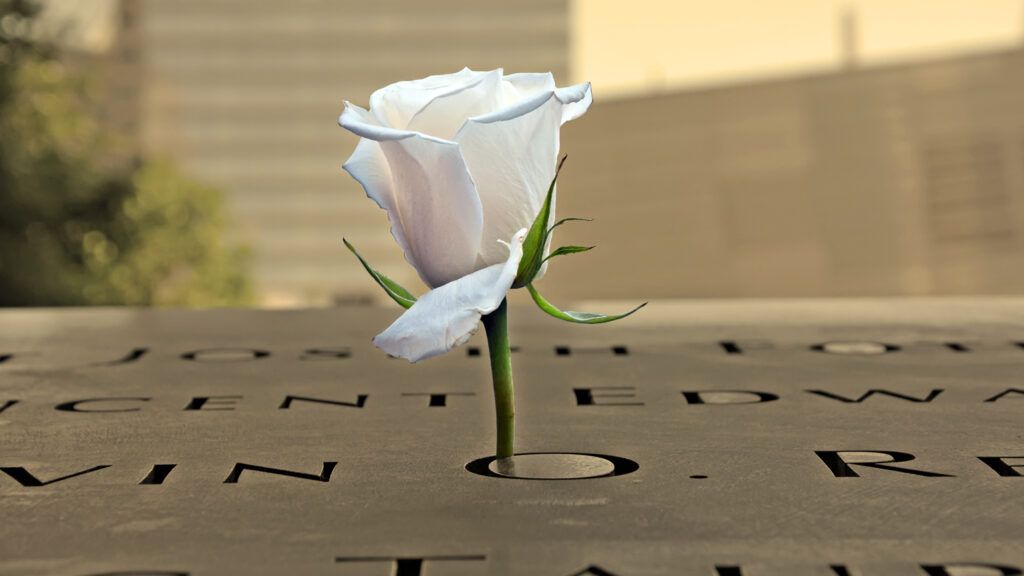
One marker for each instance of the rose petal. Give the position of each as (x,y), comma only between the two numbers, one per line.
(523,85)
(433,198)
(445,114)
(512,154)
(576,99)
(369,167)
(396,104)
(447,316)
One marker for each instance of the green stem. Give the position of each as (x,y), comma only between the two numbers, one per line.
(496,325)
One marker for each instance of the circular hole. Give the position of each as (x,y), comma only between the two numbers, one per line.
(857,348)
(553,466)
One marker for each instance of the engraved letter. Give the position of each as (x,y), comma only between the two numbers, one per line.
(25,478)
(840,468)
(73,406)
(728,397)
(324,476)
(587,397)
(1002,468)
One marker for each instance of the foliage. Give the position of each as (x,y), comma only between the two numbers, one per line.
(81,222)
(400,295)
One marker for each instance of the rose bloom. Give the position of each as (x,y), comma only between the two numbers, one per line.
(461,163)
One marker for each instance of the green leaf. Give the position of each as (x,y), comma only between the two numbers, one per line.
(536,238)
(562,250)
(564,220)
(404,298)
(577,317)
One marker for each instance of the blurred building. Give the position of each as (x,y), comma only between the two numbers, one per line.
(246,95)
(903,179)
(875,180)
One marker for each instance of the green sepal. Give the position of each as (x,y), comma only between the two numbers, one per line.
(563,250)
(536,238)
(564,220)
(404,298)
(577,317)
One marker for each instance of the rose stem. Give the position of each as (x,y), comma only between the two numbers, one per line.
(496,325)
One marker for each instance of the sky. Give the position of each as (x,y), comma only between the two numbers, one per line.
(640,46)
(651,45)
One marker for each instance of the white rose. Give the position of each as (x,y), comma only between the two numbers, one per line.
(461,163)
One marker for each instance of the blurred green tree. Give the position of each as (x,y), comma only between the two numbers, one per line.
(81,223)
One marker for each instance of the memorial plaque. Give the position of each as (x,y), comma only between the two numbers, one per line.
(763,438)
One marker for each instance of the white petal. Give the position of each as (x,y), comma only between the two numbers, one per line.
(447,316)
(369,167)
(577,100)
(433,198)
(362,123)
(396,104)
(525,85)
(445,114)
(512,154)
